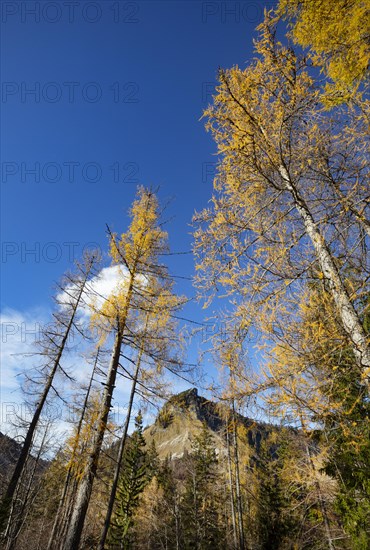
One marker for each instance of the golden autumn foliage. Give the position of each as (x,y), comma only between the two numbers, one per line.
(78,445)
(143,303)
(135,253)
(284,244)
(313,370)
(291,190)
(337,33)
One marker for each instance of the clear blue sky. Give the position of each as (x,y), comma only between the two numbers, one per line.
(119,88)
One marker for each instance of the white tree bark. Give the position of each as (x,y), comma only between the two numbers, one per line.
(350,319)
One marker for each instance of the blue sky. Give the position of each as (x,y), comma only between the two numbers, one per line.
(98,97)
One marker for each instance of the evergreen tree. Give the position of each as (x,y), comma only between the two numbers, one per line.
(275,522)
(136,474)
(347,430)
(169,507)
(158,520)
(201,501)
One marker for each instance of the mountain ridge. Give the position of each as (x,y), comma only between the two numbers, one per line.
(183,416)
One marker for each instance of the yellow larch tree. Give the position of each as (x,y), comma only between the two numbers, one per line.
(274,212)
(139,314)
(337,33)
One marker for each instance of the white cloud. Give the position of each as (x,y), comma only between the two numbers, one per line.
(19,333)
(21,330)
(18,355)
(110,281)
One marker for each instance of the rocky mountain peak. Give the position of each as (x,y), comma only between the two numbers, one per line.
(183,416)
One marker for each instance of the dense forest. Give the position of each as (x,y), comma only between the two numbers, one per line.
(277,455)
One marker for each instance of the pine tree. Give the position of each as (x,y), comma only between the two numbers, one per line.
(169,509)
(276,522)
(347,432)
(202,525)
(158,519)
(136,474)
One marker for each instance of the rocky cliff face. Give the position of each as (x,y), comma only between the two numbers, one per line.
(184,414)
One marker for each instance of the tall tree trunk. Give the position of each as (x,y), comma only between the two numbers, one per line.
(231,485)
(77,521)
(177,524)
(347,312)
(195,504)
(322,503)
(120,455)
(61,514)
(68,509)
(85,488)
(239,503)
(22,513)
(8,497)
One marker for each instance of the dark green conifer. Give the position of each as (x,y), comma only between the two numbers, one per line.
(136,473)
(201,506)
